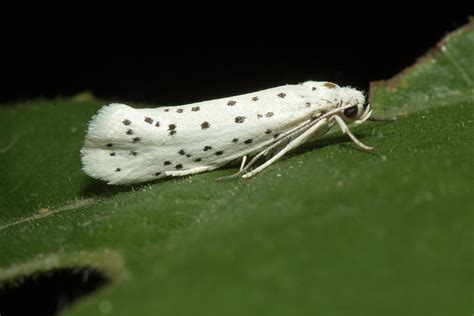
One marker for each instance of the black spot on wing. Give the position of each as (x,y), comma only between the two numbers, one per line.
(239,119)
(172,129)
(149,120)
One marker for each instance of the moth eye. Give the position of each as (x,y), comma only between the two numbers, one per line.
(351,112)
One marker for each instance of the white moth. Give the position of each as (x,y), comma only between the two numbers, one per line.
(125,145)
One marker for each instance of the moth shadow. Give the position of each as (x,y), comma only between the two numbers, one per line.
(318,144)
(98,188)
(341,140)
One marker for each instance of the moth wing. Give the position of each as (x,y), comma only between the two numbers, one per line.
(113,150)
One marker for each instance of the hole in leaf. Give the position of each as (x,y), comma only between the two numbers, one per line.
(48,292)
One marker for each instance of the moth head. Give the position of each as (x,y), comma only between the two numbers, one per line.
(354,108)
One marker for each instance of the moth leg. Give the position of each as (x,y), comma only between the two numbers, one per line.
(291,145)
(180,173)
(244,160)
(244,168)
(345,130)
(254,159)
(265,151)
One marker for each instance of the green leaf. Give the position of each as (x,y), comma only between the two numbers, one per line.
(328,230)
(444,74)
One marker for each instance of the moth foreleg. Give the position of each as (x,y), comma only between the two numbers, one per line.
(291,145)
(345,129)
(244,167)
(265,151)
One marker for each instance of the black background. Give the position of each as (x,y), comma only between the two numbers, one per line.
(181,53)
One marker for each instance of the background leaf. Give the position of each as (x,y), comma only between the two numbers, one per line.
(329,229)
(439,77)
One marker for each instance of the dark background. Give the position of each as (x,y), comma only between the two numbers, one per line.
(181,53)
